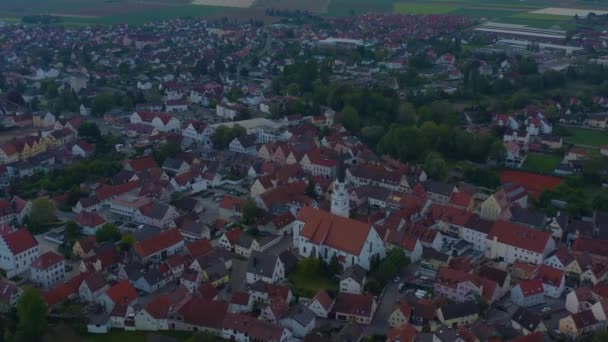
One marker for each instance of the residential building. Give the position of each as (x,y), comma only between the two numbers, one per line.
(528,293)
(511,242)
(48,270)
(18,250)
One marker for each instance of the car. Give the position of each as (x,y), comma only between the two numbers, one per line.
(68,268)
(501,308)
(545,309)
(397,279)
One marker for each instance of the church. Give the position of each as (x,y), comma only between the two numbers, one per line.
(325,235)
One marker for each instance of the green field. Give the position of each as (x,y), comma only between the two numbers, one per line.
(586,137)
(339,8)
(541,163)
(432,8)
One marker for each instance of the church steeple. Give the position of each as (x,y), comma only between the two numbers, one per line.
(339,197)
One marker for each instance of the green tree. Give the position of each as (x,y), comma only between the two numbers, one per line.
(102,103)
(108,232)
(250,212)
(71,232)
(407,113)
(43,212)
(127,241)
(351,119)
(89,131)
(31,311)
(164,151)
(435,166)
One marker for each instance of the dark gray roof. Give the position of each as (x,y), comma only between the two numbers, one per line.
(248,140)
(302,315)
(262,264)
(527,319)
(528,217)
(356,272)
(436,187)
(456,310)
(288,259)
(478,224)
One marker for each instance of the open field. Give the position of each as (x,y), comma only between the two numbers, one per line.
(432,8)
(116,335)
(541,163)
(225,3)
(569,12)
(586,137)
(313,6)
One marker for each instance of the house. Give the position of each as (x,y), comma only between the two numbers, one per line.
(198,131)
(163,122)
(461,286)
(240,302)
(243,328)
(403,333)
(48,270)
(120,294)
(553,279)
(527,322)
(43,120)
(248,243)
(300,320)
(18,250)
(83,149)
(512,242)
(400,315)
(9,295)
(266,267)
(90,222)
(475,231)
(501,277)
(246,144)
(323,235)
(528,217)
(580,323)
(353,279)
(92,286)
(358,308)
(496,207)
(582,298)
(199,314)
(229,238)
(227,111)
(321,304)
(597,120)
(230,207)
(528,293)
(458,314)
(160,246)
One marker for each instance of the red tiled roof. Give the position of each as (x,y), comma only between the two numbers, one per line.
(257,330)
(232,203)
(550,276)
(240,298)
(403,333)
(199,247)
(324,299)
(47,260)
(158,243)
(20,240)
(531,287)
(461,199)
(323,228)
(207,291)
(534,183)
(354,304)
(143,163)
(203,312)
(520,236)
(88,219)
(122,293)
(233,235)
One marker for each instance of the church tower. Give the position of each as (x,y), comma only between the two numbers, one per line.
(339,197)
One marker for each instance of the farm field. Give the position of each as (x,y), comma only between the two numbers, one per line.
(586,137)
(541,163)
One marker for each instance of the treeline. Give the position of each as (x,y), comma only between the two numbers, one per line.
(41,19)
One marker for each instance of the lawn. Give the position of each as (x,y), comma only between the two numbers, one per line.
(586,137)
(430,8)
(541,163)
(116,335)
(310,277)
(339,8)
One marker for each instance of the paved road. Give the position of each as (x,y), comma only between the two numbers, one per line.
(386,306)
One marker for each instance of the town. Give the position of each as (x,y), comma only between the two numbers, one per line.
(380,177)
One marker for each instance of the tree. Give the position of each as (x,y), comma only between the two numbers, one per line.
(250,211)
(43,212)
(71,231)
(407,113)
(351,119)
(165,151)
(31,311)
(103,102)
(127,241)
(435,166)
(310,189)
(89,131)
(108,232)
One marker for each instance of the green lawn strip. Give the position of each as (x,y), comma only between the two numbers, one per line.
(542,163)
(348,7)
(586,137)
(430,8)
(308,285)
